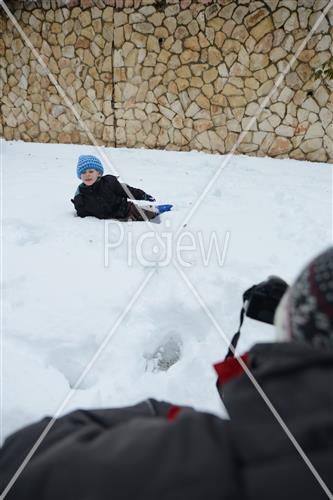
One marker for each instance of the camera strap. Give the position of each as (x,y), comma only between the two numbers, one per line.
(260,303)
(234,341)
(235,338)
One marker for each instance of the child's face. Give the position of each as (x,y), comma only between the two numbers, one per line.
(90,176)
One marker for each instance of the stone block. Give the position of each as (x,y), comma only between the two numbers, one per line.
(265,88)
(319,59)
(293,81)
(329,131)
(324,44)
(279,108)
(257,62)
(280,16)
(277,54)
(202,139)
(247,148)
(297,154)
(323,26)
(291,23)
(183,72)
(192,110)
(229,90)
(181,33)
(284,131)
(321,95)
(265,44)
(326,117)
(85,18)
(68,51)
(178,122)
(328,145)
(55,28)
(119,18)
(315,130)
(210,75)
(311,145)
(311,105)
(177,47)
(193,27)
(184,17)
(252,109)
(301,129)
(88,33)
(227,11)
(280,146)
(304,72)
(192,43)
(203,114)
(286,95)
(231,140)
(306,55)
(118,37)
(319,155)
(237,101)
(261,29)
(170,24)
(265,126)
(172,88)
(167,112)
(202,125)
(203,102)
(189,56)
(240,13)
(234,125)
(255,17)
(249,123)
(303,16)
(156,18)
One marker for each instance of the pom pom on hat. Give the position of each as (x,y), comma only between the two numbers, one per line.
(305,313)
(86,162)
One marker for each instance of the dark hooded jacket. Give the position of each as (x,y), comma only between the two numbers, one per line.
(159,452)
(105,199)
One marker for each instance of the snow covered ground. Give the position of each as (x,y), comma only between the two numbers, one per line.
(70,284)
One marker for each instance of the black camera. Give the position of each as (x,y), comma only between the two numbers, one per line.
(261,301)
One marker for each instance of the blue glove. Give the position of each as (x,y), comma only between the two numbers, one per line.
(163,208)
(149,197)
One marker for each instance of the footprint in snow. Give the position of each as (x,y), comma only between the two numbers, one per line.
(71,363)
(166,354)
(22,232)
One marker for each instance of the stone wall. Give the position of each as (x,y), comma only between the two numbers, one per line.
(172,74)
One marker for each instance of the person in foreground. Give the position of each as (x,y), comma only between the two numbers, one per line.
(158,451)
(104,197)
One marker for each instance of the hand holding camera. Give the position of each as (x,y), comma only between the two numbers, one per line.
(260,302)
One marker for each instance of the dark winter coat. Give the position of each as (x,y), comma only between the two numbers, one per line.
(105,199)
(153,451)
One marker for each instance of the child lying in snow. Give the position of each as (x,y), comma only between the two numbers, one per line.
(104,197)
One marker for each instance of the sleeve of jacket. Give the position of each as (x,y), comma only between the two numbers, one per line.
(137,194)
(79,205)
(130,452)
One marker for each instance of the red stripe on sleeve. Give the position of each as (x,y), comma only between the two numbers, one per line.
(173,412)
(230,368)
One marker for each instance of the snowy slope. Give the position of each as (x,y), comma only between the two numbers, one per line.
(62,297)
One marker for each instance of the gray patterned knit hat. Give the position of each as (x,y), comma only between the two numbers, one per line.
(310,302)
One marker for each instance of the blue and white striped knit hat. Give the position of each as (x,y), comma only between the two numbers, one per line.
(85,162)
